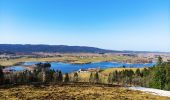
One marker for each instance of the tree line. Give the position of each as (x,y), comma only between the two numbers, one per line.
(157,76)
(42,74)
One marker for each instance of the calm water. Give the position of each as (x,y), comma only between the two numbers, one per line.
(15,68)
(66,67)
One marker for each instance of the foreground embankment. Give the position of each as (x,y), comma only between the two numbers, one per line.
(74,91)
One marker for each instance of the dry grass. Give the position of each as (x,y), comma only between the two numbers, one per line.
(25,59)
(70,59)
(84,77)
(78,92)
(110,70)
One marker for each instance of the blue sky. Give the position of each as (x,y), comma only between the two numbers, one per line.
(142,25)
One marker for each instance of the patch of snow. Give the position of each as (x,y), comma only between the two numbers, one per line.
(152,91)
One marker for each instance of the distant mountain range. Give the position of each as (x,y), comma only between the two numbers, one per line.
(28,48)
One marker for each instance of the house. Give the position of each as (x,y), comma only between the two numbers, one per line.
(88,70)
(82,71)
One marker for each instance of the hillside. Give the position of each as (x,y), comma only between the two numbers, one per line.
(29,48)
(74,91)
(50,48)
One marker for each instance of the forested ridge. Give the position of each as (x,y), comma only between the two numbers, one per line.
(28,48)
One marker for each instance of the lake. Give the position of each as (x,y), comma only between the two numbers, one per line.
(67,68)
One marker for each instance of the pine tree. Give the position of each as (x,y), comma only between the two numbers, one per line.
(110,78)
(130,75)
(60,77)
(44,76)
(97,77)
(66,79)
(75,79)
(162,77)
(1,76)
(55,76)
(167,85)
(159,61)
(145,72)
(155,81)
(91,78)
(40,77)
(49,76)
(116,77)
(138,73)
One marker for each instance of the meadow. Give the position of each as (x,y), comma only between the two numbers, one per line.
(103,74)
(74,59)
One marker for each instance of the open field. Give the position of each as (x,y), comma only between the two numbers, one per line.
(68,58)
(71,92)
(110,70)
(84,77)
(25,59)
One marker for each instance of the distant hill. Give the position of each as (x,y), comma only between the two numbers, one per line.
(28,48)
(50,48)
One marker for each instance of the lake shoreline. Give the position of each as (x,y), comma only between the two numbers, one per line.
(69,67)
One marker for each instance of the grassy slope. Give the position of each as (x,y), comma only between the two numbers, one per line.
(82,92)
(110,70)
(84,77)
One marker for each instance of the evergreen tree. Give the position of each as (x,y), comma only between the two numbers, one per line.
(159,61)
(116,76)
(91,78)
(167,85)
(44,76)
(120,76)
(125,77)
(40,77)
(130,75)
(75,77)
(145,72)
(138,73)
(55,76)
(97,77)
(27,76)
(144,81)
(60,77)
(123,66)
(162,77)
(49,76)
(156,81)
(1,76)
(110,78)
(66,79)
(35,77)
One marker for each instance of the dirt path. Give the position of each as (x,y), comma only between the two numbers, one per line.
(152,91)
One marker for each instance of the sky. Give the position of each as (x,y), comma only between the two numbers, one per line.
(141,25)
